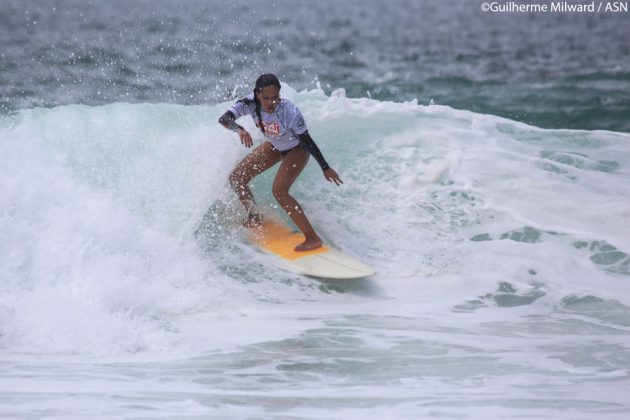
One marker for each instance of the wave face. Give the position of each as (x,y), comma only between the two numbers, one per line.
(501,251)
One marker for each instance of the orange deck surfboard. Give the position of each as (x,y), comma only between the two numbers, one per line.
(277,238)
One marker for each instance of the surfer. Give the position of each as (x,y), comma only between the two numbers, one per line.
(287,141)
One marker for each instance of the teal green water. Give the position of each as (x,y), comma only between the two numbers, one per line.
(554,70)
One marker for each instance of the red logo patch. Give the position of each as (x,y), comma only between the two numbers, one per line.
(272,128)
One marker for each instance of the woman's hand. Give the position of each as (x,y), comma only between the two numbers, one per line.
(246,139)
(331,176)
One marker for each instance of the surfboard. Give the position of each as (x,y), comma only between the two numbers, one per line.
(275,237)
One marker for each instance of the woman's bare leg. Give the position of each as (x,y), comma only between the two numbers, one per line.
(259,160)
(292,165)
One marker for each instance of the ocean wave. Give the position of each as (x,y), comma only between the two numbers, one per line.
(100,205)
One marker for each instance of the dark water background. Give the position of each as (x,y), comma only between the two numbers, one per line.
(557,70)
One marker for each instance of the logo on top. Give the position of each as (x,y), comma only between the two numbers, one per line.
(272,128)
(300,122)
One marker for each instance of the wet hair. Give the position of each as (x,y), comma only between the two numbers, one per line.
(262,82)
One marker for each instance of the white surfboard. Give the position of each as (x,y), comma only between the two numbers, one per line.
(277,238)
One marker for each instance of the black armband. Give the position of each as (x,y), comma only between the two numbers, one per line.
(228,120)
(308,141)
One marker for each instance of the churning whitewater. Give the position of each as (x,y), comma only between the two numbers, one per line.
(501,252)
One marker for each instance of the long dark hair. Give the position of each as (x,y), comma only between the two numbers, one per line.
(262,82)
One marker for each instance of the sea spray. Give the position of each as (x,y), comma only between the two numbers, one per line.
(501,251)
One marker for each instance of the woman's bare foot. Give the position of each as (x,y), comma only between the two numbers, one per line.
(309,244)
(254,220)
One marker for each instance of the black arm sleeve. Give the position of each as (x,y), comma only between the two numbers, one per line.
(313,149)
(228,120)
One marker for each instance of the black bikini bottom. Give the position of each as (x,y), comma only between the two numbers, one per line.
(285,152)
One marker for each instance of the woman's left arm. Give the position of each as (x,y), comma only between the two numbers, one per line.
(329,173)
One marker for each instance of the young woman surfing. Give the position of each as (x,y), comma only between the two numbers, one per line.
(287,141)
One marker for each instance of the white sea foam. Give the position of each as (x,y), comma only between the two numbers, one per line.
(501,252)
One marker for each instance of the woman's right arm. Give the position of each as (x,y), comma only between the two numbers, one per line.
(228,120)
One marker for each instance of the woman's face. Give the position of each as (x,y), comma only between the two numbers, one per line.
(269,98)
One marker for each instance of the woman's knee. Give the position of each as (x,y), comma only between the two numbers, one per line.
(280,192)
(237,179)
